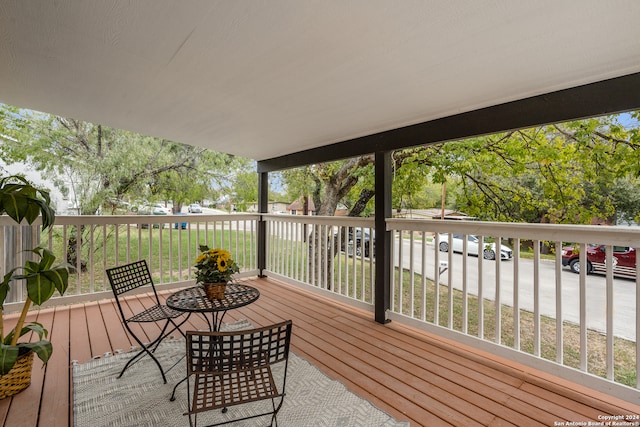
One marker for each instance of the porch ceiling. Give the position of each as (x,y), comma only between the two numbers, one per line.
(267,79)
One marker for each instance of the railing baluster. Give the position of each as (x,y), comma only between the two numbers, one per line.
(559,314)
(536,297)
(412,294)
(104,249)
(161,254)
(400,273)
(171,277)
(354,269)
(609,310)
(392,291)
(637,334)
(498,294)
(465,294)
(78,250)
(480,291)
(516,294)
(583,307)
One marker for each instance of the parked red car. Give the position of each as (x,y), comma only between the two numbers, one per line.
(624,260)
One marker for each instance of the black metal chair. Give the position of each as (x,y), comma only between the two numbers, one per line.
(232,368)
(127,278)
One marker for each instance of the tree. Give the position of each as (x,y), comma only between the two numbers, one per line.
(245,187)
(561,173)
(96,163)
(100,166)
(565,173)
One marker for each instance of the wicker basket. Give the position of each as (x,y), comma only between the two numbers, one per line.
(214,290)
(18,378)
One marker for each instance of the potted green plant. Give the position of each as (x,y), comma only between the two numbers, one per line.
(214,269)
(20,200)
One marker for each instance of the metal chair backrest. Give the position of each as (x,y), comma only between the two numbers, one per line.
(128,277)
(215,352)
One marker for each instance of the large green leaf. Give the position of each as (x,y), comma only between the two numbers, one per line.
(8,357)
(20,200)
(42,279)
(30,327)
(42,348)
(39,288)
(32,266)
(47,259)
(59,277)
(5,286)
(9,353)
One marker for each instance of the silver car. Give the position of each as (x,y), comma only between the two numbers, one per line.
(194,208)
(489,251)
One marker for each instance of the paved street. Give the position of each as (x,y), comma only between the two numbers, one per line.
(624,296)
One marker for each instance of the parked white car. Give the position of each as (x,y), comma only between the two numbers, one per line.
(489,251)
(159,209)
(195,208)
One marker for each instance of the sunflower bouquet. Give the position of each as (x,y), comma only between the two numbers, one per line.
(215,266)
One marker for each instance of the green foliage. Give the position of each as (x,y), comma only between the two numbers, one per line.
(20,200)
(245,188)
(42,278)
(99,164)
(563,173)
(215,265)
(570,172)
(9,353)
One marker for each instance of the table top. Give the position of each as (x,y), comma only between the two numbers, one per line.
(194,299)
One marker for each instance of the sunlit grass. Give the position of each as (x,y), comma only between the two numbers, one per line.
(424,295)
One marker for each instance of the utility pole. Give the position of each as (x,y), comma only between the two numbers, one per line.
(444,196)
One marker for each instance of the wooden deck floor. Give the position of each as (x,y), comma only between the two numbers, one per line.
(410,374)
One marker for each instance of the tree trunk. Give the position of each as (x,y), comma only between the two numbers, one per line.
(72,252)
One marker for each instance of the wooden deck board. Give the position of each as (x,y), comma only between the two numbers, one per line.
(118,337)
(462,382)
(370,363)
(79,344)
(56,389)
(28,415)
(375,372)
(411,374)
(98,337)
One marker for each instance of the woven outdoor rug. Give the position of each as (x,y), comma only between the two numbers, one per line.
(140,398)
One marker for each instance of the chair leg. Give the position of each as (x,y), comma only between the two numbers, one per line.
(274,415)
(177,326)
(173,394)
(131,361)
(276,409)
(137,356)
(145,349)
(163,334)
(192,422)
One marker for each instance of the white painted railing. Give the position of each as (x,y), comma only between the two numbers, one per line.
(169,243)
(528,308)
(317,251)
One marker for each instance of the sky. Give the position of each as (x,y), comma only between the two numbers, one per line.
(627,121)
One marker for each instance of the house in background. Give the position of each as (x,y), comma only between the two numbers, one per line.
(275,207)
(297,207)
(433,213)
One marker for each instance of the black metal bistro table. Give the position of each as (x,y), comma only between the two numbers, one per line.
(195,300)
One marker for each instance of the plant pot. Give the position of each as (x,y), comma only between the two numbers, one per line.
(214,291)
(18,378)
